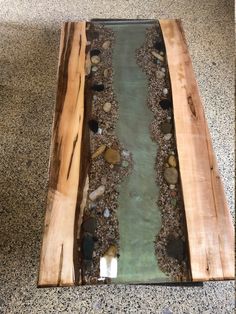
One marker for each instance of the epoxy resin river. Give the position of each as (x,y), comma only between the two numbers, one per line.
(138,214)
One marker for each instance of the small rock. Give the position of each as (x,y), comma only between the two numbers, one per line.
(173,193)
(173,202)
(107,107)
(93,125)
(103,180)
(172,186)
(95,59)
(166,127)
(97,193)
(106,213)
(158,56)
(159,74)
(95,97)
(176,248)
(106,44)
(112,251)
(106,73)
(162,53)
(112,156)
(99,131)
(165,104)
(125,153)
(168,118)
(94,68)
(165,91)
(163,70)
(171,175)
(125,163)
(88,247)
(99,151)
(92,205)
(90,225)
(172,161)
(167,136)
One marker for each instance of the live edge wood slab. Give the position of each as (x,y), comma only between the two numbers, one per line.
(209,225)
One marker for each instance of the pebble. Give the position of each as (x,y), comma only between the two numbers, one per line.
(165,91)
(167,136)
(125,153)
(112,156)
(107,107)
(106,213)
(125,163)
(159,74)
(163,70)
(173,202)
(106,44)
(158,56)
(99,131)
(168,118)
(172,161)
(99,151)
(103,180)
(166,127)
(95,97)
(97,193)
(176,248)
(95,59)
(93,125)
(90,225)
(112,251)
(92,205)
(172,186)
(94,68)
(171,175)
(88,247)
(165,104)
(106,73)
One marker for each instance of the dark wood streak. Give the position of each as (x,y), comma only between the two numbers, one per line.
(60,100)
(72,155)
(60,267)
(191,106)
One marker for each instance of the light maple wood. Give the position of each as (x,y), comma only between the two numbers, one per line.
(209,224)
(57,253)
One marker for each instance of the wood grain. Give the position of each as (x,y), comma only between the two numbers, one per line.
(209,224)
(57,253)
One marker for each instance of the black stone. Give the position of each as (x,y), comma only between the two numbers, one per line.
(159,45)
(176,248)
(90,225)
(87,247)
(95,52)
(165,104)
(93,125)
(98,87)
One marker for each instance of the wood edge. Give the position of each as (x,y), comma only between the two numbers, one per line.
(69,284)
(179,23)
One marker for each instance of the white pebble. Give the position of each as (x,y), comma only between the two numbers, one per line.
(107,107)
(106,213)
(167,136)
(172,186)
(97,193)
(99,131)
(125,153)
(165,91)
(163,70)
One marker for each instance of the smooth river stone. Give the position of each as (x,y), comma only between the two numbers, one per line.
(171,175)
